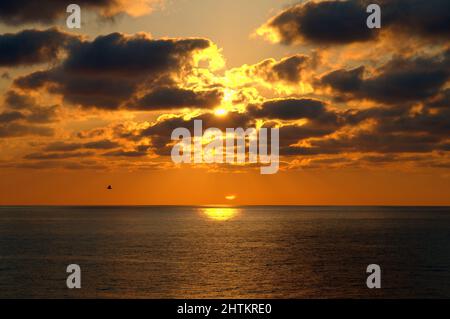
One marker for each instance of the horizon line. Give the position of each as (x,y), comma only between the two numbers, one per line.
(217,205)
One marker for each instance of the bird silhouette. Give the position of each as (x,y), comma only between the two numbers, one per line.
(109,187)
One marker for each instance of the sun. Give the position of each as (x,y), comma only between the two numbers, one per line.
(221,112)
(230,197)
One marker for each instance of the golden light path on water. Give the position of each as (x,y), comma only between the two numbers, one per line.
(220,214)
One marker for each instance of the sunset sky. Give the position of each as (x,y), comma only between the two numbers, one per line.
(364,114)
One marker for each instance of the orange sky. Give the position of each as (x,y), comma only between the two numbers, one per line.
(184,187)
(364,119)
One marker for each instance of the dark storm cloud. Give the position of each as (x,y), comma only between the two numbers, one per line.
(321,121)
(32,46)
(372,142)
(396,129)
(368,143)
(427,18)
(35,80)
(291,135)
(117,54)
(356,116)
(42,114)
(400,80)
(307,151)
(53,156)
(408,80)
(18,130)
(62,147)
(289,109)
(101,145)
(442,101)
(98,132)
(345,81)
(108,71)
(288,69)
(331,163)
(19,101)
(18,124)
(123,153)
(377,159)
(7,117)
(330,22)
(437,124)
(17,12)
(402,119)
(99,90)
(94,145)
(342,22)
(319,124)
(165,98)
(55,163)
(29,108)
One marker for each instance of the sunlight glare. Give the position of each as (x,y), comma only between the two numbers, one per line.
(220,214)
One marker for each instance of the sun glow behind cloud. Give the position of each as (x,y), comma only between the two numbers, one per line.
(220,112)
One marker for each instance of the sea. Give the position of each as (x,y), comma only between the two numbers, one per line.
(255,252)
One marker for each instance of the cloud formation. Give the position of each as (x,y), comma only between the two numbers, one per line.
(169,98)
(110,70)
(400,80)
(30,47)
(19,130)
(288,69)
(94,145)
(343,22)
(334,111)
(47,11)
(289,109)
(23,116)
(326,22)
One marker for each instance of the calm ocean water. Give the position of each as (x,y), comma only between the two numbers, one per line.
(248,252)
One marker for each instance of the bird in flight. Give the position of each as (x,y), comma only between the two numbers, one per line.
(109,187)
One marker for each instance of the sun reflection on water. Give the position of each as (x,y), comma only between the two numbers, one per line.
(220,214)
